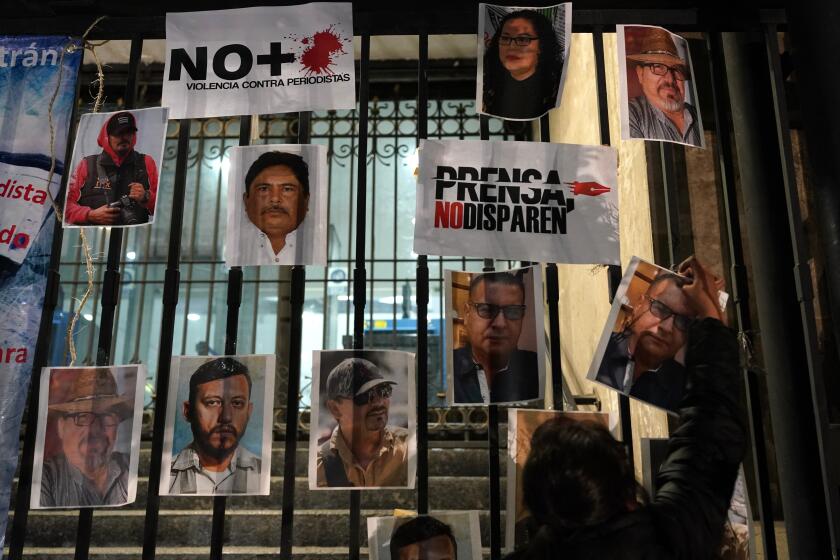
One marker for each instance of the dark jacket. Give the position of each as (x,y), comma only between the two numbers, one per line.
(519,382)
(663,388)
(685,519)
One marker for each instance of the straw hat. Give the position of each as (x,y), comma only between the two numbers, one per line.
(657,47)
(95,390)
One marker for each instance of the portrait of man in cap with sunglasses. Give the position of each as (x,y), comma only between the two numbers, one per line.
(491,368)
(660,111)
(643,357)
(363,450)
(86,470)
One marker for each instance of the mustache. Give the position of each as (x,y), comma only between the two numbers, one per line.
(377,411)
(274,209)
(224,429)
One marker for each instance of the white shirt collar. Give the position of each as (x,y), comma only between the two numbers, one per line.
(255,246)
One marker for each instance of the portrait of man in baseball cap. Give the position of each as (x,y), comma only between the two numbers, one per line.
(116,164)
(365,420)
(88,437)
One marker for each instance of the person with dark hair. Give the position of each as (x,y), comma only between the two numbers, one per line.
(363,450)
(276,200)
(642,360)
(218,409)
(117,186)
(424,538)
(522,67)
(580,488)
(490,368)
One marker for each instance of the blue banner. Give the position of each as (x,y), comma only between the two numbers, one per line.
(30,69)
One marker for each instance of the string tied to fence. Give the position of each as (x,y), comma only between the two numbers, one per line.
(70,47)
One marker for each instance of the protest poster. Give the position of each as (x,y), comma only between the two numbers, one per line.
(642,349)
(217,439)
(88,441)
(277,205)
(657,92)
(494,325)
(522,423)
(528,201)
(115,168)
(270,59)
(362,400)
(32,70)
(441,535)
(522,54)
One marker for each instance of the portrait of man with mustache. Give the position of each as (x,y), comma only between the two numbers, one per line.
(276,201)
(363,450)
(88,467)
(218,410)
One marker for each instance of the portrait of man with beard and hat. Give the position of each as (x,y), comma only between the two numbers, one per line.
(661,100)
(276,205)
(87,443)
(115,168)
(224,410)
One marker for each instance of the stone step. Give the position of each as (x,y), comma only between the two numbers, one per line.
(445,492)
(443,461)
(192,528)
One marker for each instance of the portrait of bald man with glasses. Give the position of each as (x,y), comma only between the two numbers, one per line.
(643,357)
(489,366)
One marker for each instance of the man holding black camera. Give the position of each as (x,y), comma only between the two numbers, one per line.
(117,186)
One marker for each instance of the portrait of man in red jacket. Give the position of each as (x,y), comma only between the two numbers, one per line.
(118,185)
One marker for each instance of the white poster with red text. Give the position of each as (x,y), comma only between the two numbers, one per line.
(271,59)
(528,201)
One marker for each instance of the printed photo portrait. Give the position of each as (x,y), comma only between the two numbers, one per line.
(641,352)
(217,440)
(87,443)
(657,92)
(277,205)
(522,55)
(525,427)
(363,432)
(450,535)
(494,330)
(115,168)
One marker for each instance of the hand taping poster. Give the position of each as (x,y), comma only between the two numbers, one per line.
(273,59)
(525,201)
(30,70)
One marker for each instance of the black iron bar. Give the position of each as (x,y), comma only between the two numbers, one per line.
(552,297)
(40,358)
(801,272)
(422,300)
(613,271)
(110,294)
(359,272)
(297,297)
(167,333)
(234,301)
(738,288)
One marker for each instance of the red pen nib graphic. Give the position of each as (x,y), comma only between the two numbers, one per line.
(322,48)
(588,188)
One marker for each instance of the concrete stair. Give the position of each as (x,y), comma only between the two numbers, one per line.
(458,481)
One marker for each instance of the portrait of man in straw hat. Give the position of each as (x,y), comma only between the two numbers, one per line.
(660,110)
(85,469)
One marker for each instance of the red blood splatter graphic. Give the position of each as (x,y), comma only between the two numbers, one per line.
(318,58)
(589,188)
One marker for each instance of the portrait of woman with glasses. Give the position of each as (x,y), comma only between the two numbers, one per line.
(522,66)
(641,353)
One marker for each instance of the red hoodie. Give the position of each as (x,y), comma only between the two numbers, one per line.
(78,215)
